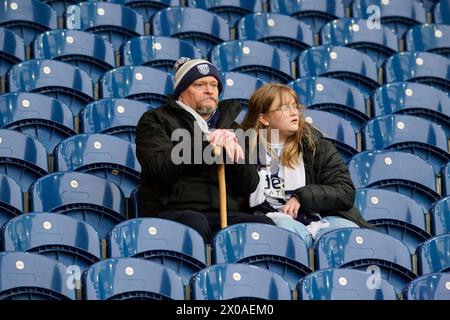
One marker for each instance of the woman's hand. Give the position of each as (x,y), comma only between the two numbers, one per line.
(291,207)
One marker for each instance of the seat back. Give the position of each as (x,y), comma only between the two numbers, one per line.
(338,130)
(344,284)
(253,58)
(399,15)
(48,120)
(394,214)
(29,276)
(429,37)
(201,28)
(85,50)
(55,79)
(117,117)
(113,22)
(440,217)
(342,63)
(377,43)
(432,286)
(235,281)
(441,12)
(408,134)
(141,83)
(157,52)
(239,87)
(11,200)
(373,252)
(397,171)
(131,279)
(332,95)
(12,50)
(275,249)
(22,158)
(82,196)
(172,244)
(27,18)
(432,255)
(414,99)
(423,67)
(286,33)
(60,237)
(147,8)
(105,156)
(314,13)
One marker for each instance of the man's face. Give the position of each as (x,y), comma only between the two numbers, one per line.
(202,96)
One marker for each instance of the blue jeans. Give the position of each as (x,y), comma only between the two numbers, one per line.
(299,228)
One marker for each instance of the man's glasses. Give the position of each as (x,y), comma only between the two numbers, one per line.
(289,109)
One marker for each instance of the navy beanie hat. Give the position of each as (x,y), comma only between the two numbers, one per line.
(187,71)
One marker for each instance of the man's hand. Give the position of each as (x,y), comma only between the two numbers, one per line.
(291,207)
(226,139)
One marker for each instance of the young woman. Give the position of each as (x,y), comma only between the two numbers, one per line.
(304,185)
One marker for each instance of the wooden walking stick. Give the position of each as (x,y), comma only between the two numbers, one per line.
(222,190)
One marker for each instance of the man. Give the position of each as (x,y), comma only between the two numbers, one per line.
(188,192)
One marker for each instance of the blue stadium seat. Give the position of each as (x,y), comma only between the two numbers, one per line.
(57,236)
(432,286)
(85,50)
(275,249)
(230,10)
(283,32)
(22,158)
(408,134)
(105,156)
(239,87)
(399,15)
(441,12)
(236,281)
(201,28)
(253,58)
(445,174)
(116,117)
(334,96)
(114,22)
(378,254)
(433,255)
(27,18)
(48,120)
(394,214)
(440,217)
(313,12)
(30,276)
(11,200)
(156,52)
(55,79)
(134,204)
(12,50)
(413,99)
(141,83)
(343,284)
(131,279)
(429,4)
(397,171)
(423,67)
(355,33)
(336,129)
(147,8)
(347,64)
(172,244)
(429,37)
(82,196)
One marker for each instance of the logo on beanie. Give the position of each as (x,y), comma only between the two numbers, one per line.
(203,68)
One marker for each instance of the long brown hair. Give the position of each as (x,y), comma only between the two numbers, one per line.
(260,103)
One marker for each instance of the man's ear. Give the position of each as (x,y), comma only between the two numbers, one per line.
(263,120)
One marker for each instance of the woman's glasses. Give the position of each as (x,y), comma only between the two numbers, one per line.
(289,109)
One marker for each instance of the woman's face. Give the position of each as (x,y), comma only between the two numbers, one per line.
(283,115)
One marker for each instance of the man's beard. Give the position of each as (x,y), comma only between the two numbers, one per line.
(205,110)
